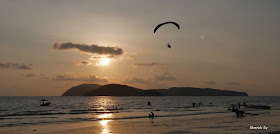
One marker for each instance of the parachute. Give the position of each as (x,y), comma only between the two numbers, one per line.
(178,26)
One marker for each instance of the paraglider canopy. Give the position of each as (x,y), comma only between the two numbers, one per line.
(170,22)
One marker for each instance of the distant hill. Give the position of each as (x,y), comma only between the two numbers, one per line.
(81,90)
(191,91)
(121,90)
(124,90)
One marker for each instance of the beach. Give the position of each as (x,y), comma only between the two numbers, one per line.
(91,115)
(197,124)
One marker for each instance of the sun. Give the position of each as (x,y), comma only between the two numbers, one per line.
(104,61)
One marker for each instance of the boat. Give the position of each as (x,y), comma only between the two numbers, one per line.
(258,106)
(45,102)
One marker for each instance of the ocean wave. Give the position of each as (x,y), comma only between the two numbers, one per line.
(31,114)
(51,112)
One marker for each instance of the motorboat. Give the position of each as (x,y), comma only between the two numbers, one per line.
(45,102)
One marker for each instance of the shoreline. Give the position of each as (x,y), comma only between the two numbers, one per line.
(222,123)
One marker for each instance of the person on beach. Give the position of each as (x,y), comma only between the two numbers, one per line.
(151,115)
(149,103)
(234,108)
(244,104)
(193,104)
(238,105)
(239,113)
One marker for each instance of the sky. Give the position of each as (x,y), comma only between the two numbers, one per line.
(47,47)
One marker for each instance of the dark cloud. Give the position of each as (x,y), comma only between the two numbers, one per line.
(16,66)
(85,63)
(90,78)
(233,83)
(147,64)
(165,77)
(94,49)
(29,75)
(137,80)
(99,57)
(96,57)
(210,82)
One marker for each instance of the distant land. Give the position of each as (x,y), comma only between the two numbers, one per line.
(124,90)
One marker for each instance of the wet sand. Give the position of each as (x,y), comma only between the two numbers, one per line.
(207,124)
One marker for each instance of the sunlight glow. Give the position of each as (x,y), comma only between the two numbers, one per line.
(104,116)
(106,129)
(104,61)
(104,122)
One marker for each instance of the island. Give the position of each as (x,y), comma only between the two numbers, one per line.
(124,90)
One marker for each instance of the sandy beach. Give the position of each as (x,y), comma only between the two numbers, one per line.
(207,124)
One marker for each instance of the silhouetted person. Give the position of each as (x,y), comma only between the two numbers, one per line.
(234,108)
(151,115)
(244,104)
(239,113)
(238,105)
(149,103)
(199,103)
(229,109)
(193,104)
(168,45)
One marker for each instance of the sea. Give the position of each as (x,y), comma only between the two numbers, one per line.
(19,111)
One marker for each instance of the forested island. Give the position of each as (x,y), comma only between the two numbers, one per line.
(124,90)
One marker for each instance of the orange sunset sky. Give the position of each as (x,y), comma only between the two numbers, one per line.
(46,47)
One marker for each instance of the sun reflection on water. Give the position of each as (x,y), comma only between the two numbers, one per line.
(104,116)
(104,105)
(104,122)
(102,102)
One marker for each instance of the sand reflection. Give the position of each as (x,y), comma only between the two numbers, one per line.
(105,119)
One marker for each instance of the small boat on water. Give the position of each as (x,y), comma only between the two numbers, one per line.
(45,102)
(258,106)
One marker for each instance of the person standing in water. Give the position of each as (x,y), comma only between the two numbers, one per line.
(149,103)
(152,115)
(244,104)
(238,105)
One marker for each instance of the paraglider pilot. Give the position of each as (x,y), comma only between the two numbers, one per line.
(168,45)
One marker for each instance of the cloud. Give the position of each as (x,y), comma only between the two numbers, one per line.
(137,80)
(147,64)
(85,63)
(93,49)
(29,75)
(95,57)
(16,66)
(99,57)
(90,78)
(233,83)
(209,82)
(165,77)
(42,76)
